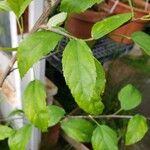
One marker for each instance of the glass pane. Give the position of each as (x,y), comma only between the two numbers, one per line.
(5,40)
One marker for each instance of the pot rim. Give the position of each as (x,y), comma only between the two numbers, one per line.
(83,16)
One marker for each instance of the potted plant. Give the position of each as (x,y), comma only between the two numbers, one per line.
(138,22)
(85,77)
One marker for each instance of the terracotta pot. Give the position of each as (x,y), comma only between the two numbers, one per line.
(130,27)
(141,4)
(79,25)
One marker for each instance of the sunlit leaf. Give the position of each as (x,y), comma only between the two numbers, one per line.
(57,20)
(129,97)
(137,128)
(34,102)
(20,139)
(143,40)
(109,24)
(18,6)
(71,6)
(104,138)
(55,114)
(4,6)
(34,47)
(79,129)
(5,132)
(79,72)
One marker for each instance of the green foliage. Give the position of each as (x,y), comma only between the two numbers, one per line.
(104,138)
(20,139)
(57,20)
(129,97)
(80,74)
(95,106)
(18,6)
(5,132)
(55,115)
(84,75)
(109,24)
(4,6)
(78,129)
(35,47)
(101,79)
(143,40)
(79,70)
(77,6)
(137,128)
(34,101)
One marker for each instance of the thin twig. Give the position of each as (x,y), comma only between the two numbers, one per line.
(105,116)
(40,21)
(12,70)
(6,73)
(131,7)
(56,30)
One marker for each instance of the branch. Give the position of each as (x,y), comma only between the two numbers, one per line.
(58,31)
(6,73)
(39,22)
(105,117)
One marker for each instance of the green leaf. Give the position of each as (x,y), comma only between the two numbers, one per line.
(77,6)
(129,97)
(20,139)
(79,129)
(4,6)
(143,40)
(104,138)
(35,47)
(34,102)
(94,105)
(55,114)
(57,20)
(16,112)
(5,132)
(18,6)
(137,128)
(79,71)
(109,24)
(101,79)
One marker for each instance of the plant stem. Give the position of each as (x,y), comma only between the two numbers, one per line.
(117,112)
(20,26)
(131,6)
(112,116)
(104,117)
(56,30)
(92,118)
(6,73)
(123,36)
